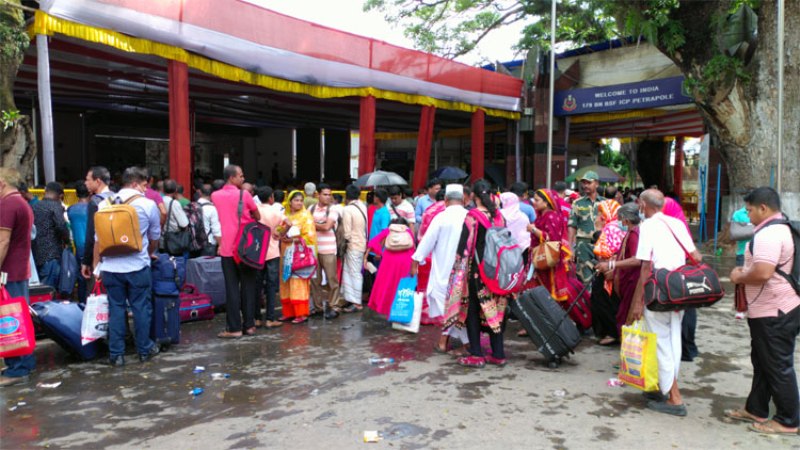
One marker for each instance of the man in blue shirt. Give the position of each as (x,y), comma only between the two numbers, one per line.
(382,217)
(127,277)
(424,202)
(520,189)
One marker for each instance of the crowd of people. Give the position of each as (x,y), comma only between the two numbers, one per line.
(605,241)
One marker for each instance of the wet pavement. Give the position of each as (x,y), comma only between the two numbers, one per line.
(306,386)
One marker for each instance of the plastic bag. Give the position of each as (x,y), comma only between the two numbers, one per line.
(638,359)
(403,305)
(17,337)
(413,326)
(286,269)
(94,324)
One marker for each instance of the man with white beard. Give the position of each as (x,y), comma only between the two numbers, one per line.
(441,240)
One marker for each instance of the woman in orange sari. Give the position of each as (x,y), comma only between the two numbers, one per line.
(559,280)
(295,291)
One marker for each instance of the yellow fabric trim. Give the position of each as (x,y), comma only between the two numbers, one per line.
(48,25)
(611,116)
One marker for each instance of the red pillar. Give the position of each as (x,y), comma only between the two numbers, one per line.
(424,138)
(677,174)
(180,153)
(366,139)
(478,137)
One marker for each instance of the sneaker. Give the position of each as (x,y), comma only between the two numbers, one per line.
(666,408)
(477,362)
(13,381)
(496,361)
(116,361)
(150,355)
(331,314)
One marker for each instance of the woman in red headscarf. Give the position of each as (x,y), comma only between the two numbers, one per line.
(560,279)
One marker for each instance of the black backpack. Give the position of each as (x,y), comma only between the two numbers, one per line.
(194,212)
(794,226)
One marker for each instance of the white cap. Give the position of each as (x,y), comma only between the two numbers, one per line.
(454,191)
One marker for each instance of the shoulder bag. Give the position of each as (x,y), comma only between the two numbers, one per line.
(692,285)
(176,243)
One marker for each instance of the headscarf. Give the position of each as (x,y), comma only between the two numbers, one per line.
(608,210)
(550,197)
(516,222)
(674,209)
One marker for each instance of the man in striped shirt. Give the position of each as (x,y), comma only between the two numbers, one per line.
(325,220)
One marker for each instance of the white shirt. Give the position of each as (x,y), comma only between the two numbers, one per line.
(178,218)
(441,239)
(210,220)
(657,244)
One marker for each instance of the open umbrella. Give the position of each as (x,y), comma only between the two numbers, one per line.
(605,174)
(380,178)
(450,173)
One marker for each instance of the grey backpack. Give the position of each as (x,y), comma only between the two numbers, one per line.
(501,267)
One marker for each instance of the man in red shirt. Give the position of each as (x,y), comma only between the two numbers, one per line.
(240,280)
(16,220)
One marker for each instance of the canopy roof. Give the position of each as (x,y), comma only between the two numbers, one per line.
(240,41)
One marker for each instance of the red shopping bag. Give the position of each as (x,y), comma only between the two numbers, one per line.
(17,337)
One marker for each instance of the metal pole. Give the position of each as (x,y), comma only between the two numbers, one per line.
(780,95)
(322,154)
(35,121)
(46,108)
(552,94)
(517,157)
(294,152)
(716,214)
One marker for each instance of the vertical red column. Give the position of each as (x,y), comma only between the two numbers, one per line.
(180,154)
(366,139)
(478,136)
(424,139)
(677,174)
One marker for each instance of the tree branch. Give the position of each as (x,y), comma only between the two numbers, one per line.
(495,24)
(19,6)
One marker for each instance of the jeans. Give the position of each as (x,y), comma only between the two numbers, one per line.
(772,354)
(81,281)
(19,366)
(50,273)
(689,349)
(240,295)
(268,281)
(135,288)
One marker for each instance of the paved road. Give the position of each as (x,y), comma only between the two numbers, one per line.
(306,386)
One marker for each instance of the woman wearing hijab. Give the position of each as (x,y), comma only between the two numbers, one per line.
(625,269)
(295,291)
(516,221)
(560,280)
(469,301)
(604,305)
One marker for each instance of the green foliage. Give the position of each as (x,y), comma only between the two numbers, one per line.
(720,72)
(9,118)
(615,161)
(13,38)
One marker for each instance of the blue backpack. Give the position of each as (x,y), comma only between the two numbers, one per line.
(169,274)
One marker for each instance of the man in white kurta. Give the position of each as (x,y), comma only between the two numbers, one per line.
(441,242)
(662,240)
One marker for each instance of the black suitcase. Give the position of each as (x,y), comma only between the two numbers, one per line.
(61,322)
(165,328)
(547,324)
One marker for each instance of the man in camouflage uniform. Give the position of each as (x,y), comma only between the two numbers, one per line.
(582,225)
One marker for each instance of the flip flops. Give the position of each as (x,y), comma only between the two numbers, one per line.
(771,427)
(742,416)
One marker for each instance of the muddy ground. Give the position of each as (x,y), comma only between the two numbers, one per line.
(312,386)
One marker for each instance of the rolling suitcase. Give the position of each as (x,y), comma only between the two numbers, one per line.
(194,305)
(165,328)
(41,293)
(205,273)
(547,324)
(61,322)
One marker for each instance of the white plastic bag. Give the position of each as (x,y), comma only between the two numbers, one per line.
(94,325)
(413,326)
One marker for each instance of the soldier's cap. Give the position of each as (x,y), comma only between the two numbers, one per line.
(590,175)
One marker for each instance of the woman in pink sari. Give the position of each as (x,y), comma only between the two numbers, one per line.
(559,280)
(604,305)
(394,266)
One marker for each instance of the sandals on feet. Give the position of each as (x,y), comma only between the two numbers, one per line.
(743,416)
(771,427)
(299,320)
(476,362)
(229,335)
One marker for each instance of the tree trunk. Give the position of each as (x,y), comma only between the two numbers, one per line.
(743,115)
(18,148)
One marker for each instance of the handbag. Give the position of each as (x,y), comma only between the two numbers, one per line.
(638,360)
(176,243)
(94,324)
(403,305)
(303,256)
(691,285)
(17,337)
(546,255)
(742,231)
(398,238)
(740,299)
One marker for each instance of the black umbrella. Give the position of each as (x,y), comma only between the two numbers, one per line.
(380,178)
(450,173)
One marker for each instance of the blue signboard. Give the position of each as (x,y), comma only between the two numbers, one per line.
(619,97)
